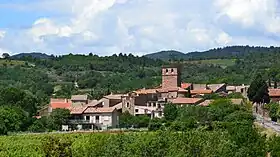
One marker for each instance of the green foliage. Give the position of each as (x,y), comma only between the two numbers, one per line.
(18,98)
(274,110)
(12,119)
(170,112)
(55,147)
(221,108)
(273,146)
(258,90)
(127,120)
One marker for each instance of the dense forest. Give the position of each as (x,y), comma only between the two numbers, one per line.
(62,76)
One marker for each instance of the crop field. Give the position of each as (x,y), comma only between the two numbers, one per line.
(161,143)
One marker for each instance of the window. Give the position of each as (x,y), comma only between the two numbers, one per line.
(172,70)
(97,118)
(87,118)
(154,104)
(106,118)
(127,104)
(160,113)
(149,104)
(166,70)
(136,110)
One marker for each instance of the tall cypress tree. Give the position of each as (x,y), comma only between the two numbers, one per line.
(258,91)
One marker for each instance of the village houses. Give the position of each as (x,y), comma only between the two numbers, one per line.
(104,113)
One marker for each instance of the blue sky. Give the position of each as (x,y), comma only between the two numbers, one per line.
(105,27)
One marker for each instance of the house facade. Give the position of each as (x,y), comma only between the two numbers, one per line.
(90,118)
(274,95)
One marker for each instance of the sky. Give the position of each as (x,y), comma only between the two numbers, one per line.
(105,27)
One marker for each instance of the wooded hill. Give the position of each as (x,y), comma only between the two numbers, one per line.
(96,76)
(230,52)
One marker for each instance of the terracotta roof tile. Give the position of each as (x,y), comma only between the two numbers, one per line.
(185,85)
(186,100)
(55,105)
(99,110)
(146,91)
(171,89)
(59,100)
(78,110)
(274,92)
(201,91)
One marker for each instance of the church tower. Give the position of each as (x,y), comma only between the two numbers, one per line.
(171,77)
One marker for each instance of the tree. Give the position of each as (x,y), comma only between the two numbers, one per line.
(5,55)
(170,112)
(12,119)
(126,119)
(258,91)
(58,117)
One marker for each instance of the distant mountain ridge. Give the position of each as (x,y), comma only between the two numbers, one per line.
(216,53)
(165,55)
(37,55)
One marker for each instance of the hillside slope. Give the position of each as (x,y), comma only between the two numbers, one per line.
(229,52)
(167,55)
(37,55)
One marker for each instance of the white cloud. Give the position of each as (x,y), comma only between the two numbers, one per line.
(142,26)
(2,34)
(252,13)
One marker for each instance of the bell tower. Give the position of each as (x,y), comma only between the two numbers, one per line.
(171,77)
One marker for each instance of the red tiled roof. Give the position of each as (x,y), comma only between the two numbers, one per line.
(59,100)
(201,91)
(146,91)
(171,89)
(55,105)
(274,92)
(185,85)
(186,100)
(99,110)
(78,110)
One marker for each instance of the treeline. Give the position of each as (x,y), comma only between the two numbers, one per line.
(17,111)
(228,52)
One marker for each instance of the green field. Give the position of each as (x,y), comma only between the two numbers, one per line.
(11,62)
(162,143)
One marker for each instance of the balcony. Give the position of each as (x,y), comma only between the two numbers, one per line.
(80,121)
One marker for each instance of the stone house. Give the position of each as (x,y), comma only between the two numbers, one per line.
(79,99)
(243,89)
(151,101)
(90,117)
(274,95)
